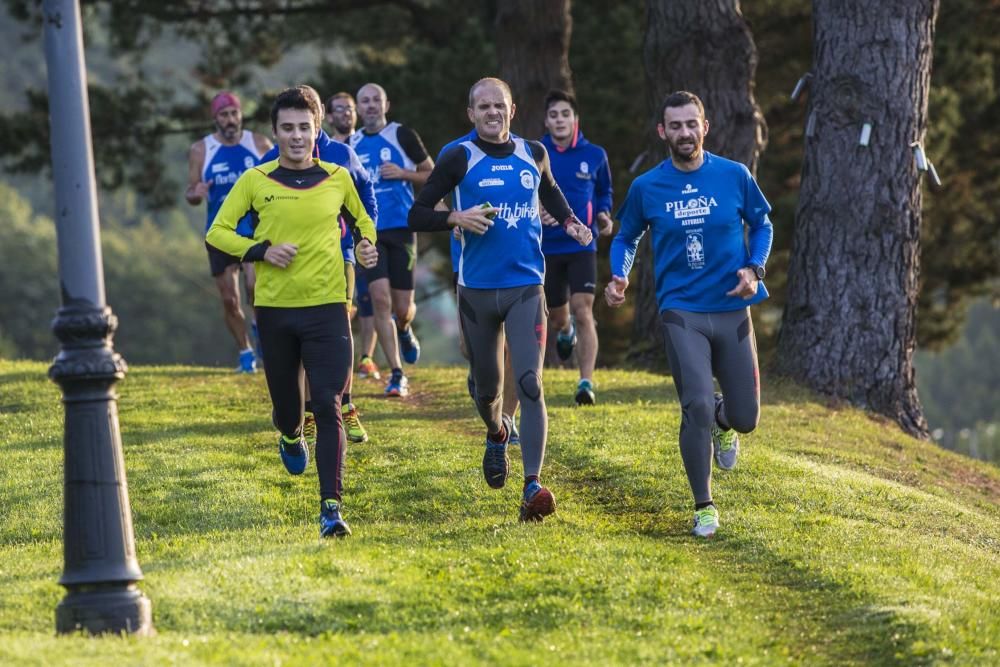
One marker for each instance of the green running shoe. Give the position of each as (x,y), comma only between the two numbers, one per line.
(352,425)
(309,429)
(706,522)
(725,443)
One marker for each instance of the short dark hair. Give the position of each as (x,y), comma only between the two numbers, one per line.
(300,97)
(561,96)
(491,79)
(681,98)
(342,95)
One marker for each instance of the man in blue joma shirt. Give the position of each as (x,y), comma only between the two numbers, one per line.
(698,206)
(214,164)
(497,185)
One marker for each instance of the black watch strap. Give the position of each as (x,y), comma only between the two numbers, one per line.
(757,270)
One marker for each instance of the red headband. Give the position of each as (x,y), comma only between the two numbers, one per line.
(223,100)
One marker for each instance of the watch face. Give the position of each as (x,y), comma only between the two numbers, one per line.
(758,271)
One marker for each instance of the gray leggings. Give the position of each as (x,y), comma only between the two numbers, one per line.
(700,345)
(520,312)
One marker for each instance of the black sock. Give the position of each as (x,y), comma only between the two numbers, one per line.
(718,417)
(397,370)
(701,506)
(309,406)
(346,400)
(529,479)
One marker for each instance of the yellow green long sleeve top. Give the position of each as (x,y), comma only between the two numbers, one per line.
(298,207)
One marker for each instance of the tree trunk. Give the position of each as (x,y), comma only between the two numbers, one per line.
(849,322)
(705,47)
(533,50)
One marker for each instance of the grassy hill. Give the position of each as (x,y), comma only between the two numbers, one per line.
(842,542)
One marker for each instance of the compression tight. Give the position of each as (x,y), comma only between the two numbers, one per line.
(700,345)
(520,314)
(319,339)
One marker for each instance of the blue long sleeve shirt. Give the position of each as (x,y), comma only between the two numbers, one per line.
(582,172)
(697,220)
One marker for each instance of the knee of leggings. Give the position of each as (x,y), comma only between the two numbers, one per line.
(485,400)
(324,403)
(700,411)
(530,385)
(743,421)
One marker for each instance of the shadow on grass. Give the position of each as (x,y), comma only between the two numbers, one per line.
(858,627)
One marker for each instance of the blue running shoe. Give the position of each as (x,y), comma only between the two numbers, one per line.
(409,346)
(565,342)
(294,454)
(496,463)
(585,393)
(331,524)
(398,385)
(248,362)
(537,502)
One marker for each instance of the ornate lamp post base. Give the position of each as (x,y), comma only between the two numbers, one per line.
(99,610)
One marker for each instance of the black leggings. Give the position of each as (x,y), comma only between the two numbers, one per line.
(700,345)
(519,313)
(318,338)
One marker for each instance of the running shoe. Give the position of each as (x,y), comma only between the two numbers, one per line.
(496,463)
(331,524)
(294,454)
(309,429)
(409,346)
(352,425)
(725,443)
(706,522)
(515,437)
(537,502)
(585,393)
(368,369)
(565,342)
(398,385)
(248,362)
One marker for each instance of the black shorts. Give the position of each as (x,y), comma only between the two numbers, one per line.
(575,270)
(397,257)
(218,261)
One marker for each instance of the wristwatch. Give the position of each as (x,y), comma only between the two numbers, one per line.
(757,270)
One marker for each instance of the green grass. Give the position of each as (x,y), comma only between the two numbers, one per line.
(842,542)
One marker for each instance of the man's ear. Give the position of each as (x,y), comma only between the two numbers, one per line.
(662,131)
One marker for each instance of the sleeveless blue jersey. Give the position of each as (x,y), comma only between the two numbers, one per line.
(509,254)
(223,165)
(394,196)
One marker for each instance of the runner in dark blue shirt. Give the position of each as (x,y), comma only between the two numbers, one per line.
(582,172)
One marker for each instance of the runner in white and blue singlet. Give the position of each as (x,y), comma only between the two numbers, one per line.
(498,184)
(215,162)
(397,160)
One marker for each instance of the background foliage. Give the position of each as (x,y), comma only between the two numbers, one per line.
(154,65)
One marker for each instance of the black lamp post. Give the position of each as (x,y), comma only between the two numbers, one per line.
(100,567)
